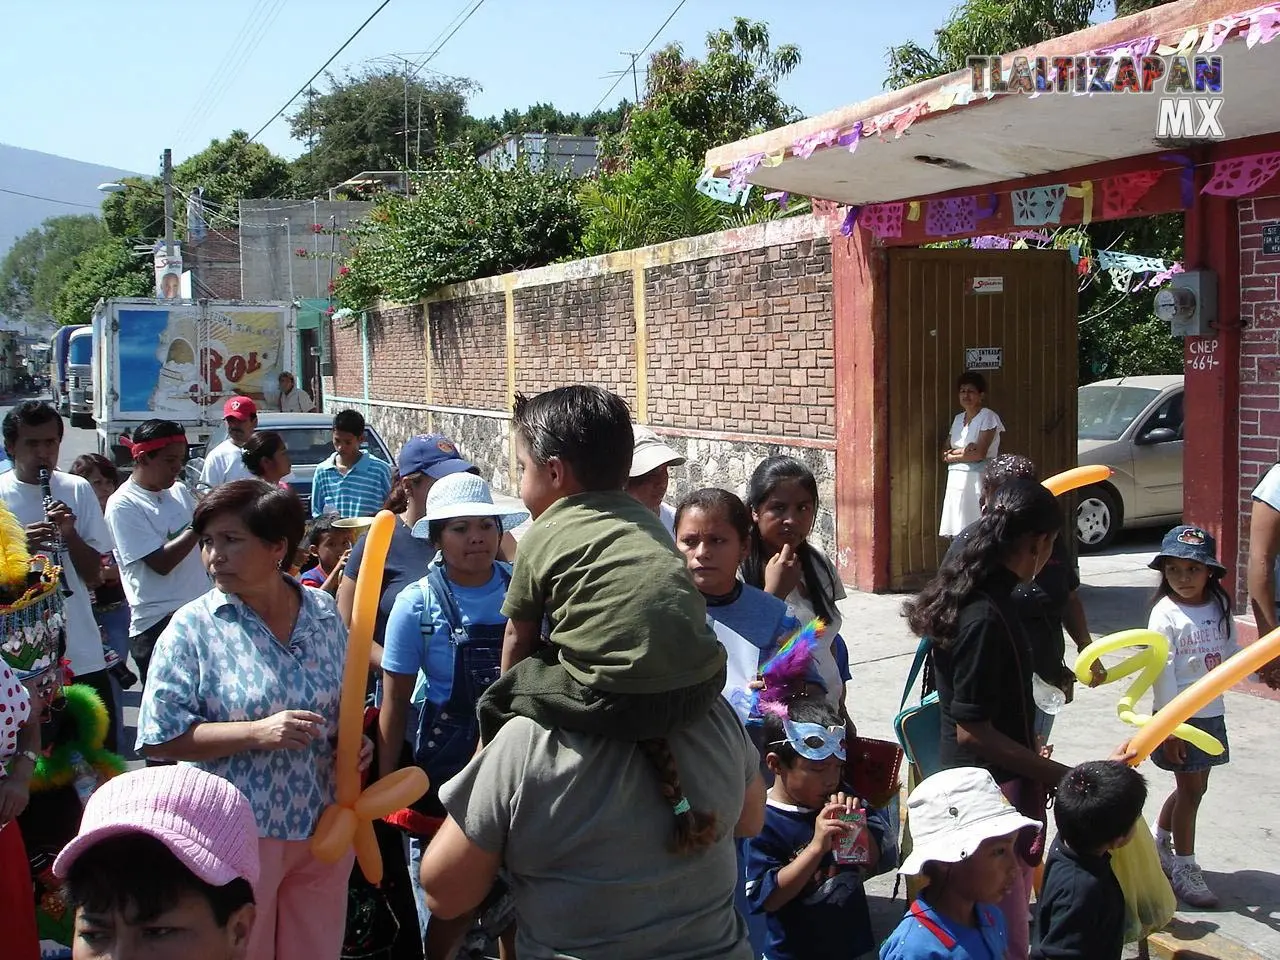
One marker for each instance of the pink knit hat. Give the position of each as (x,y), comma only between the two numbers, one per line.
(203,820)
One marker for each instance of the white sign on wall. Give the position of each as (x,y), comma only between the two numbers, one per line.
(983,358)
(988,284)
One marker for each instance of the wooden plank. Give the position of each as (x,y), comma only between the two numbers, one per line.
(1188,940)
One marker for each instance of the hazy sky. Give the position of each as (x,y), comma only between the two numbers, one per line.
(116,81)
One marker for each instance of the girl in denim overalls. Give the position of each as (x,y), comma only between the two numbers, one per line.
(443,647)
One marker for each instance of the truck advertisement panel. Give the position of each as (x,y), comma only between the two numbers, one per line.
(177,362)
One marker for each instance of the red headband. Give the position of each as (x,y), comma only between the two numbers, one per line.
(150,446)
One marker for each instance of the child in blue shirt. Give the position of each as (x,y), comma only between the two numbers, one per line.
(964,834)
(815,906)
(329,546)
(442,650)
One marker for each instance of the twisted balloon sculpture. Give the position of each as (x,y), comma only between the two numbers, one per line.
(1170,720)
(350,819)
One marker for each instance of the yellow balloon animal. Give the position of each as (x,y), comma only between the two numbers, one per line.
(350,820)
(1148,663)
(1214,683)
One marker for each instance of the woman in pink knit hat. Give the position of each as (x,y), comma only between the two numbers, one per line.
(166,859)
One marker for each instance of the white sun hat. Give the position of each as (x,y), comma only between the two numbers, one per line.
(650,453)
(466,495)
(952,812)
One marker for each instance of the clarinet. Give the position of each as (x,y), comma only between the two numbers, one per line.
(58,548)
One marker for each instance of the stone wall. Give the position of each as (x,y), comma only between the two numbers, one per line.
(1259,363)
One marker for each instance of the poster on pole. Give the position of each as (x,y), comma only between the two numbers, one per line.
(168,273)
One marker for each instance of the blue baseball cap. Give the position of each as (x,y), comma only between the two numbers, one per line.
(432,454)
(1189,543)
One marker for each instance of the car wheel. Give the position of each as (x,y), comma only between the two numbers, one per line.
(1098,518)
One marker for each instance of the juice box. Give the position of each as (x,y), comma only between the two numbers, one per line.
(853,847)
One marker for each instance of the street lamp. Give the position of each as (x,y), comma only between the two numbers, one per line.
(113,187)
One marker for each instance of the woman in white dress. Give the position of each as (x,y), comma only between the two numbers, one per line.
(973,440)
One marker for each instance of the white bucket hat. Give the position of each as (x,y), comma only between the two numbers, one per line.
(952,812)
(650,453)
(465,495)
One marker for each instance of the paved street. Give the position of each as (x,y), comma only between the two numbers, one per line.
(1238,831)
(1239,834)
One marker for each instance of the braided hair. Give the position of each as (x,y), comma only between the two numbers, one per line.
(695,829)
(1021,508)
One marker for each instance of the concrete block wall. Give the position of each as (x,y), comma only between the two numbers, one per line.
(214,263)
(1259,362)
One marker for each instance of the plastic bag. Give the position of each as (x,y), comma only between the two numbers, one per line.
(1149,903)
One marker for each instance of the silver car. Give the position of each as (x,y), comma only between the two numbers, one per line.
(1134,426)
(309,440)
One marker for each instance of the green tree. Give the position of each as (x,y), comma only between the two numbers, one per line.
(647,191)
(234,169)
(229,170)
(109,269)
(40,260)
(545,118)
(360,123)
(985,28)
(462,221)
(137,211)
(1126,7)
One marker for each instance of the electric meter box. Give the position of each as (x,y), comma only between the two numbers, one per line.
(1189,304)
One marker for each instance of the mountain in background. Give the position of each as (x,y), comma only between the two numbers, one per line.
(46,175)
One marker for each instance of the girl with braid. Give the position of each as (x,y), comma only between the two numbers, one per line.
(614,777)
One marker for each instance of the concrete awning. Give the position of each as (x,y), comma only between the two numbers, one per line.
(950,145)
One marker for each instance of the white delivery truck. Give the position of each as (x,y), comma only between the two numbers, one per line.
(181,359)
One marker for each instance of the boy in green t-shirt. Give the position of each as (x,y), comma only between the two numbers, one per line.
(632,655)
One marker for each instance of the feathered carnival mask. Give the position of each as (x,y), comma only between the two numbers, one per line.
(32,630)
(787,671)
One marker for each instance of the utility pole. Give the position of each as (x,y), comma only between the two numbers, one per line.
(168,202)
(406,124)
(635,82)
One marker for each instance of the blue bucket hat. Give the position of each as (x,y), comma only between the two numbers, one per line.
(1189,543)
(466,495)
(433,454)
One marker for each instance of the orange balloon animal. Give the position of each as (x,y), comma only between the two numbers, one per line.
(350,820)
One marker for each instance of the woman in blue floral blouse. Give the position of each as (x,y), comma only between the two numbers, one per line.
(245,684)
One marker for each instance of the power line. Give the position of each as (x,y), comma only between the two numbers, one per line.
(302,89)
(245,45)
(637,56)
(32,196)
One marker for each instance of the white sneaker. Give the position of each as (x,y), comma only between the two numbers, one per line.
(1188,884)
(1165,849)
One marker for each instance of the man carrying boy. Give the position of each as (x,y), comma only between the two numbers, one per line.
(349,483)
(163,867)
(1080,911)
(632,654)
(629,632)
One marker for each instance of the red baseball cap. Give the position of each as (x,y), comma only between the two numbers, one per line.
(239,408)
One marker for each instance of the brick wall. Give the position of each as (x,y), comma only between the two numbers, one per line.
(744,342)
(577,331)
(469,352)
(396,355)
(214,263)
(348,360)
(1259,362)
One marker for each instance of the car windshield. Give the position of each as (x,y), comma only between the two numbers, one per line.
(1107,411)
(309,446)
(81,351)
